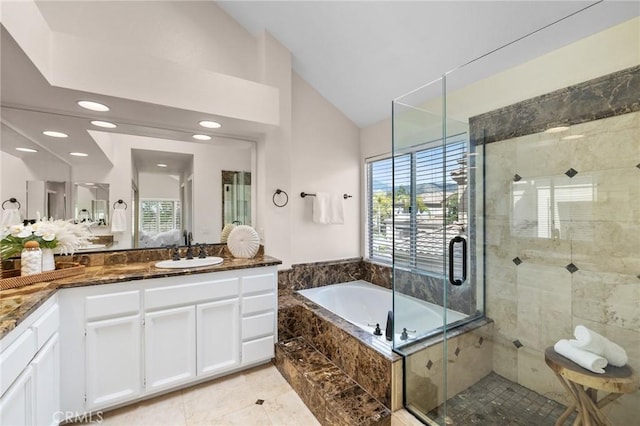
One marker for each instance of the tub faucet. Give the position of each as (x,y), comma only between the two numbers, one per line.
(389,331)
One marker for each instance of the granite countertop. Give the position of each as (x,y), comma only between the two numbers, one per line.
(17,304)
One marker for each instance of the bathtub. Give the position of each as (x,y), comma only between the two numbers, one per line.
(365,305)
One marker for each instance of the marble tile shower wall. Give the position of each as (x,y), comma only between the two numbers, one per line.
(562,217)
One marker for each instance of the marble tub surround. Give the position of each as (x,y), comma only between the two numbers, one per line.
(420,286)
(356,352)
(543,278)
(317,274)
(331,395)
(377,273)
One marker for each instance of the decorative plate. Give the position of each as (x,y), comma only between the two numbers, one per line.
(243,241)
(224,235)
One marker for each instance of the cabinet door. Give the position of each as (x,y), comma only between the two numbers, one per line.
(170,347)
(46,379)
(16,404)
(218,331)
(113,361)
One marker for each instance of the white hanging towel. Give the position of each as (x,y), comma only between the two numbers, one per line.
(10,216)
(119,220)
(328,208)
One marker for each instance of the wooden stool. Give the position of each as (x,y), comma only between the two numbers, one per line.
(583,385)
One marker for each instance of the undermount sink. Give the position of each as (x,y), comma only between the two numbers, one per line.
(196,262)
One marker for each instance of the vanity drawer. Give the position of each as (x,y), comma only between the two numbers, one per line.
(257,350)
(258,325)
(258,283)
(112,304)
(15,358)
(188,294)
(46,326)
(261,302)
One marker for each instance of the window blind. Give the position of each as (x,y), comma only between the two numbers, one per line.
(425,207)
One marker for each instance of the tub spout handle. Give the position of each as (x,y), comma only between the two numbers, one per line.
(377,331)
(405,335)
(389,330)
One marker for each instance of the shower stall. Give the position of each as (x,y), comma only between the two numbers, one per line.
(515,209)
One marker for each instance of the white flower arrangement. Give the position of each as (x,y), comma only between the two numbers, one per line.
(66,237)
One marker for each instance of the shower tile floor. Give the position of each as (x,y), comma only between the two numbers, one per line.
(495,400)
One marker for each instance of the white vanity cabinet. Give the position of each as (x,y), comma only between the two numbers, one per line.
(112,347)
(170,347)
(29,369)
(259,319)
(127,341)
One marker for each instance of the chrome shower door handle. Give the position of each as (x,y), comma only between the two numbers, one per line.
(452,242)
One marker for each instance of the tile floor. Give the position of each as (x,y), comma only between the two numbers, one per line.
(230,400)
(495,400)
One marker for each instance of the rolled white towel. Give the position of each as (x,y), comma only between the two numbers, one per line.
(591,341)
(583,358)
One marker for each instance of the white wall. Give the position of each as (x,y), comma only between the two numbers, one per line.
(325,157)
(158,186)
(14,180)
(196,34)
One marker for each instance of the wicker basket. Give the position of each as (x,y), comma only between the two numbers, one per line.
(64,269)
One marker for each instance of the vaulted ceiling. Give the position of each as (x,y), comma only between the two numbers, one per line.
(362,54)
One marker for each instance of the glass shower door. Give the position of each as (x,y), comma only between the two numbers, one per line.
(434,278)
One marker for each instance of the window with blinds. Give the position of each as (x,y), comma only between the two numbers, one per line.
(427,211)
(159,215)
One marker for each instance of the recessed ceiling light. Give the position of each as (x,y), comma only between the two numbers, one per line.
(93,106)
(556,129)
(26,150)
(78,154)
(202,137)
(105,124)
(161,165)
(571,137)
(90,183)
(55,134)
(210,124)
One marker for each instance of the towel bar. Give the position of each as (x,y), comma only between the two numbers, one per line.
(306,194)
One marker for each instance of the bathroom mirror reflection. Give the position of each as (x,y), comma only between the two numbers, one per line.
(236,197)
(91,203)
(46,199)
(31,105)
